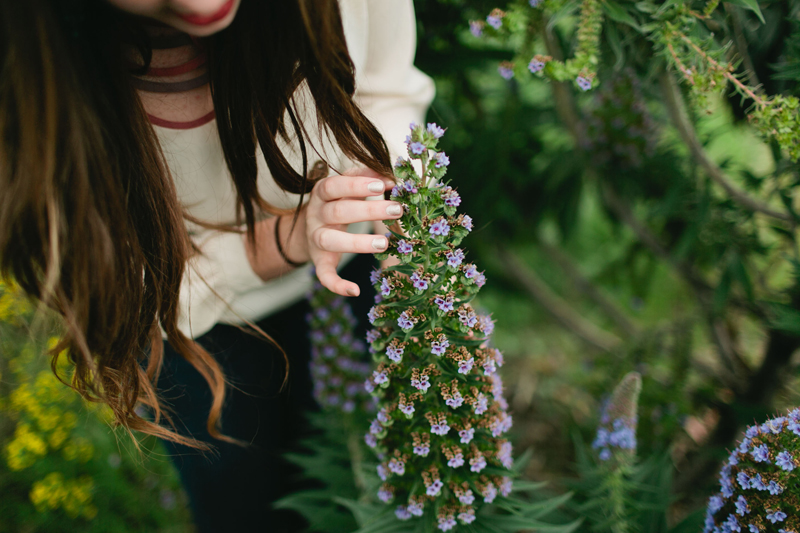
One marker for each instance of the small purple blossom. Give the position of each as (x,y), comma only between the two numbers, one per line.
(375,427)
(397,466)
(386,288)
(383,473)
(476,27)
(466,222)
(481,404)
(785,461)
(446,523)
(372,315)
(370,440)
(454,257)
(445,303)
(404,247)
(494,21)
(419,282)
(732,524)
(410,186)
(435,130)
(534,3)
(456,461)
(477,464)
(380,377)
(467,517)
(490,494)
(466,435)
(422,450)
(439,227)
(440,429)
(535,65)
(373,335)
(741,506)
(465,366)
(760,454)
(407,409)
(415,508)
(584,83)
(434,488)
(455,401)
(404,321)
(416,148)
(776,516)
(385,495)
(395,353)
(423,384)
(774,487)
(506,72)
(467,498)
(450,197)
(402,513)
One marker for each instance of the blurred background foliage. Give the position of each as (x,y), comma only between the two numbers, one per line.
(644,225)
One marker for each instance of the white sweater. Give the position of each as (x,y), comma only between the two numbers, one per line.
(219,285)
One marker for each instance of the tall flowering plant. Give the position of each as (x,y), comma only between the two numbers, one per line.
(337,356)
(759,482)
(439,431)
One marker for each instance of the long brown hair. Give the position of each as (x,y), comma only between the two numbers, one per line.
(90,222)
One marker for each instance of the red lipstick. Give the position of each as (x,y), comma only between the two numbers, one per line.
(205,20)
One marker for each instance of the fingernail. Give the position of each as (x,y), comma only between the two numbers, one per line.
(352,292)
(376,186)
(394,210)
(379,243)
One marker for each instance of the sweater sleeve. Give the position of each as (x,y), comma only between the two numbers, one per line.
(390,90)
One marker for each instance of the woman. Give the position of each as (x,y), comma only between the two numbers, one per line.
(171,168)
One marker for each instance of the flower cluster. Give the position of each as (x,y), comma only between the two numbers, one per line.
(616,435)
(619,131)
(442,416)
(759,482)
(337,357)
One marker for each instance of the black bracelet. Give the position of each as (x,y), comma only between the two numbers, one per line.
(280,247)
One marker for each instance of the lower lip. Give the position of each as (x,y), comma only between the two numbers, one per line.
(205,20)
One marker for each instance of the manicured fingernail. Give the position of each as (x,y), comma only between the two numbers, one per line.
(352,291)
(379,243)
(376,186)
(394,210)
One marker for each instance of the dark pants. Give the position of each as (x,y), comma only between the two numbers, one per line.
(232,490)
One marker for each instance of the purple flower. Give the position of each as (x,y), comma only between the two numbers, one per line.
(418,281)
(490,494)
(466,435)
(454,257)
(455,402)
(760,454)
(404,321)
(732,524)
(445,303)
(422,450)
(441,160)
(399,163)
(467,498)
(467,317)
(372,315)
(535,3)
(375,427)
(743,479)
(373,335)
(396,191)
(422,384)
(466,222)
(485,324)
(481,405)
(451,197)
(410,186)
(465,366)
(774,488)
(407,409)
(476,27)
(494,21)
(506,72)
(480,280)
(456,461)
(505,486)
(470,271)
(386,288)
(435,130)
(447,522)
(434,488)
(397,466)
(394,353)
(467,517)
(785,461)
(380,377)
(477,464)
(402,513)
(404,247)
(756,482)
(383,473)
(416,148)
(415,508)
(440,429)
(584,83)
(776,516)
(535,65)
(385,495)
(371,440)
(741,506)
(504,454)
(440,227)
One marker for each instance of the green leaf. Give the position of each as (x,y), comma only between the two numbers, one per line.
(785,318)
(617,13)
(751,5)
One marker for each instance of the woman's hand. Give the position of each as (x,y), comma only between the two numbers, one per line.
(320,234)
(335,202)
